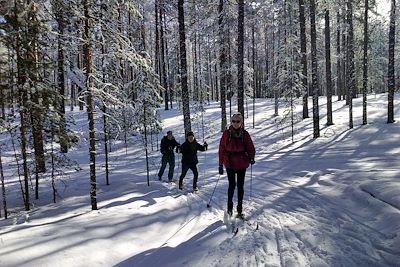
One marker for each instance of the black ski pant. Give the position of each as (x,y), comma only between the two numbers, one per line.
(240,174)
(170,159)
(185,168)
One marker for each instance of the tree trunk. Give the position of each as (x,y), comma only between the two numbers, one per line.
(89,87)
(79,64)
(2,98)
(104,107)
(195,74)
(200,71)
(391,77)
(267,65)
(183,60)
(344,59)
(122,71)
(169,74)
(11,80)
(157,36)
(145,143)
(209,71)
(350,61)
(3,189)
(215,67)
(240,57)
(222,63)
(365,63)
(253,59)
(328,68)
(339,59)
(314,68)
(53,177)
(61,84)
(162,58)
(303,47)
(275,62)
(106,141)
(229,73)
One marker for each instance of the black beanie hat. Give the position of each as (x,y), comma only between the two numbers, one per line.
(190,134)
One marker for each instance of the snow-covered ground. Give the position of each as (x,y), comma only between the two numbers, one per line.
(330,201)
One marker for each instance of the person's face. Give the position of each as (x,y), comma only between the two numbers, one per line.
(169,136)
(236,123)
(190,138)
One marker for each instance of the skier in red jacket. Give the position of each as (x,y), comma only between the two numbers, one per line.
(236,152)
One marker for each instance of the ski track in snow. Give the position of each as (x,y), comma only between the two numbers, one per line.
(283,237)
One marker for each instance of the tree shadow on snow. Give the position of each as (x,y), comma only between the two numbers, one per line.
(171,256)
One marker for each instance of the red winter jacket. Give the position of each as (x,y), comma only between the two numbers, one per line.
(236,149)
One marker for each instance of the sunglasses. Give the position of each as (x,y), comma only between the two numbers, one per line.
(234,121)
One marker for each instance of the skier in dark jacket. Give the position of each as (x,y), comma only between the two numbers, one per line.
(236,152)
(168,143)
(189,158)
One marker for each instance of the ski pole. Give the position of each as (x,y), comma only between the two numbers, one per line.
(179,167)
(215,187)
(205,160)
(251,179)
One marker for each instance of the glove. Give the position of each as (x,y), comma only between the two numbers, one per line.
(221,169)
(251,161)
(205,146)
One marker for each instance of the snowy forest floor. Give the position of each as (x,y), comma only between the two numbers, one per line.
(329,201)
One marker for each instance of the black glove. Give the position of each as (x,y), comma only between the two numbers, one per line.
(221,169)
(251,161)
(205,146)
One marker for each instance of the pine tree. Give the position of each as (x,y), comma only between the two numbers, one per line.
(59,9)
(339,75)
(328,68)
(22,95)
(365,62)
(162,57)
(314,68)
(36,94)
(350,61)
(3,188)
(183,68)
(222,62)
(240,57)
(157,38)
(303,43)
(290,74)
(87,5)
(391,73)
